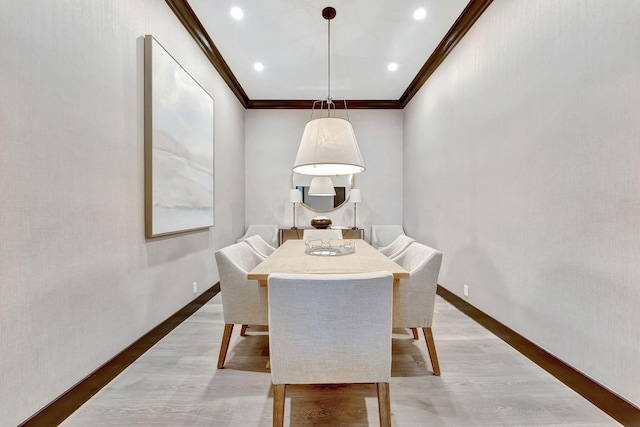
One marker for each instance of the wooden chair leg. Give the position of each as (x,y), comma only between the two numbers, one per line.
(226,338)
(415,333)
(384,404)
(278,404)
(431,347)
(243,330)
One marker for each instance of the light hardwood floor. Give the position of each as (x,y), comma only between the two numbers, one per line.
(484,382)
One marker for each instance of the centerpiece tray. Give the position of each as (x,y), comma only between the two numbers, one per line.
(329,247)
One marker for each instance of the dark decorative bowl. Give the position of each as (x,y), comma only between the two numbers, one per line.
(321,222)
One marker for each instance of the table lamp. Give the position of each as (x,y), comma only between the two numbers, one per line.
(294,197)
(355,198)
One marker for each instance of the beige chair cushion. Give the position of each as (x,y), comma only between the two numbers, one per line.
(243,300)
(414,297)
(258,244)
(330,328)
(401,243)
(384,235)
(267,231)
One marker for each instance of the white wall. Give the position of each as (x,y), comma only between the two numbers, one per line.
(522,165)
(272,140)
(78,280)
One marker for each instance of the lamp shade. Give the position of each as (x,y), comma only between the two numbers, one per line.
(294,196)
(354,196)
(328,147)
(321,186)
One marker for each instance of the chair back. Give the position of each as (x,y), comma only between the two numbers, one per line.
(384,235)
(330,328)
(258,244)
(414,297)
(268,232)
(397,246)
(243,300)
(322,235)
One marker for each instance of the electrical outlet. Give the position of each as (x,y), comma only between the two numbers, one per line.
(466,290)
(195,287)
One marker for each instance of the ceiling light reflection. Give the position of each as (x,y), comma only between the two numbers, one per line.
(392,66)
(258,66)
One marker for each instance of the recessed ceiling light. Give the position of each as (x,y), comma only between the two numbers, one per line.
(392,66)
(237,13)
(258,66)
(419,14)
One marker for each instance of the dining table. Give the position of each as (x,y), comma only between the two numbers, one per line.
(291,257)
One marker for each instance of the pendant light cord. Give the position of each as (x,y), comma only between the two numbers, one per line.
(328,62)
(328,13)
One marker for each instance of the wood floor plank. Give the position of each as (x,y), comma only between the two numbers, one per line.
(485,383)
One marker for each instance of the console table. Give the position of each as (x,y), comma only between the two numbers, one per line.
(285,234)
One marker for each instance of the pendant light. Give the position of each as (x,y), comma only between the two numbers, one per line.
(328,145)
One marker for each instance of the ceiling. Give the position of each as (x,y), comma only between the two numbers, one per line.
(290,38)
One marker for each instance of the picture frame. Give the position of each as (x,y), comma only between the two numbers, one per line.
(179,146)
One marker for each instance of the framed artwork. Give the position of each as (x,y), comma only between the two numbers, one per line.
(179,178)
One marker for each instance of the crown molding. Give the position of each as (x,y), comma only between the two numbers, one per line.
(193,25)
(465,21)
(307,104)
(470,14)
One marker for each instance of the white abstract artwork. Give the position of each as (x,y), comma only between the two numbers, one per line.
(179,148)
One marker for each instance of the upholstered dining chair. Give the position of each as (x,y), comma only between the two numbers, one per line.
(322,235)
(267,231)
(384,235)
(414,297)
(258,244)
(244,302)
(330,329)
(397,246)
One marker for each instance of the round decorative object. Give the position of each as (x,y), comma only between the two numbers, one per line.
(321,222)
